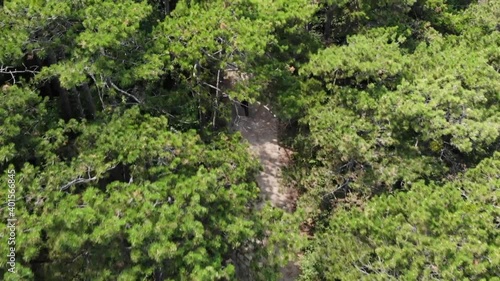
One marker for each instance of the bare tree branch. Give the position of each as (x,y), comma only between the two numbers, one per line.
(13,70)
(77,181)
(124,92)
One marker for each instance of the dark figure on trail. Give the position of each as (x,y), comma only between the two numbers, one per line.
(244,104)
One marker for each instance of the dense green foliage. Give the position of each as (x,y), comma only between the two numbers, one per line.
(403,103)
(447,232)
(114,115)
(110,116)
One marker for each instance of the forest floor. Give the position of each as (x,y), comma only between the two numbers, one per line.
(260,129)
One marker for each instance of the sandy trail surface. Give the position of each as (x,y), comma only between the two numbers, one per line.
(260,129)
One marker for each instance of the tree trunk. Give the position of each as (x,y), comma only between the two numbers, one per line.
(166,4)
(76,104)
(64,104)
(88,101)
(328,23)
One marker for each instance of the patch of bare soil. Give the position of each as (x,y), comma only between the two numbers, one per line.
(260,129)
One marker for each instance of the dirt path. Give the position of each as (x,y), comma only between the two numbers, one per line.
(260,129)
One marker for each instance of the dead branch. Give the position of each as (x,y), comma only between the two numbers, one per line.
(124,92)
(77,181)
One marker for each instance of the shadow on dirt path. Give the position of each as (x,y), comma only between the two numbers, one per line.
(260,129)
